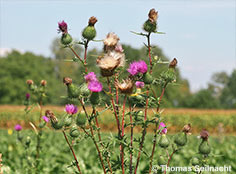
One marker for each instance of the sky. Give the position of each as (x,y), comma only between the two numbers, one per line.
(200,34)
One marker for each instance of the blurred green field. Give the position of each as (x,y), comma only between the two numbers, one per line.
(56,156)
(215,121)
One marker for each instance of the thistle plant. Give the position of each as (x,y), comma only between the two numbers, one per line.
(80,123)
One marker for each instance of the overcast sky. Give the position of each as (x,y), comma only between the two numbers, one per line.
(200,34)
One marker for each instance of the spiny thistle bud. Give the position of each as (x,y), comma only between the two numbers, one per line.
(66,39)
(204,148)
(68,121)
(161,160)
(151,24)
(163,142)
(81,119)
(173,63)
(94,98)
(89,32)
(195,161)
(43,82)
(30,82)
(92,21)
(67,80)
(57,125)
(181,138)
(126,87)
(74,132)
(84,91)
(147,78)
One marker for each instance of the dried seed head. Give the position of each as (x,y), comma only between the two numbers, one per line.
(173,63)
(153,15)
(108,64)
(111,40)
(126,87)
(187,128)
(204,134)
(30,82)
(67,80)
(50,114)
(43,82)
(92,21)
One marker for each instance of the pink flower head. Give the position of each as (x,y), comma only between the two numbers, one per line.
(137,67)
(27,96)
(139,84)
(71,109)
(161,126)
(18,127)
(45,118)
(90,77)
(95,86)
(62,27)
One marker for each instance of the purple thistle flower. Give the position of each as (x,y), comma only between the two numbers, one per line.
(62,27)
(137,67)
(45,118)
(71,109)
(90,77)
(95,86)
(18,127)
(161,126)
(27,96)
(139,84)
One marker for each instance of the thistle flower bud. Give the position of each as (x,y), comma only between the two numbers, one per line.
(187,128)
(30,82)
(84,91)
(147,78)
(67,80)
(74,132)
(204,148)
(43,82)
(163,142)
(66,39)
(94,98)
(180,139)
(68,121)
(92,21)
(27,96)
(18,127)
(81,119)
(62,27)
(151,24)
(57,125)
(89,32)
(173,63)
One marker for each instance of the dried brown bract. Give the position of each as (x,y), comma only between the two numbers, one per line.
(153,15)
(67,80)
(126,87)
(92,21)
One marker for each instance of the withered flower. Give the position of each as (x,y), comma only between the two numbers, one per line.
(111,40)
(173,63)
(67,80)
(126,87)
(187,128)
(109,63)
(204,134)
(92,21)
(153,15)
(43,82)
(50,114)
(30,82)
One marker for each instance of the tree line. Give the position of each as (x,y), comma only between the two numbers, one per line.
(16,68)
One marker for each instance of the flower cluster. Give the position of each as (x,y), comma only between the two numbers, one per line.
(163,128)
(93,84)
(137,67)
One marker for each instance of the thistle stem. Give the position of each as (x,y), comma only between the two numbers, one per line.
(122,136)
(149,52)
(131,140)
(76,55)
(155,131)
(72,150)
(92,136)
(170,159)
(143,134)
(85,55)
